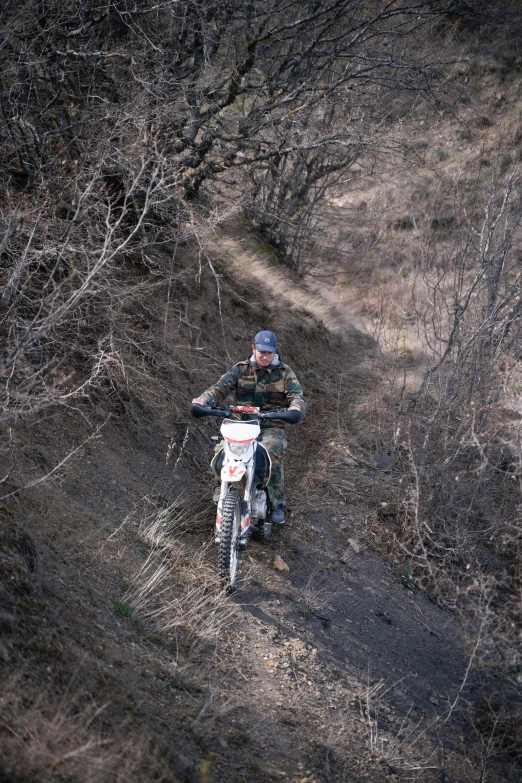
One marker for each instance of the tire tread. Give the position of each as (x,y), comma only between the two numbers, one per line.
(227,537)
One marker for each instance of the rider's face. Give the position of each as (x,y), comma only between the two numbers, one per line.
(263,358)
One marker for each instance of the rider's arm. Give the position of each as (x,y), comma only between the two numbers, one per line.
(294,392)
(216,394)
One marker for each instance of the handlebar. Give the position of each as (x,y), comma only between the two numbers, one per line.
(281,414)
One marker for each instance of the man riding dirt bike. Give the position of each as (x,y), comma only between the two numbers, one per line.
(268,391)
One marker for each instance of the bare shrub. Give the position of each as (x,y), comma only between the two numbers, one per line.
(406,749)
(453,511)
(125,130)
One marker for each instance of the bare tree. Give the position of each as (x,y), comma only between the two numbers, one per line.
(124,126)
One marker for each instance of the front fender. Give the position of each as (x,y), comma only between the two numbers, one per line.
(232,472)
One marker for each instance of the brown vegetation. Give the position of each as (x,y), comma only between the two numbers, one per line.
(443,301)
(131,139)
(115,119)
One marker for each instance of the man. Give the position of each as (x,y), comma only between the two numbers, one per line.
(263,380)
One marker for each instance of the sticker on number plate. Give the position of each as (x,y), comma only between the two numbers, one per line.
(232,472)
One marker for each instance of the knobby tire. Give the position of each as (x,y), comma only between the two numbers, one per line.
(229,544)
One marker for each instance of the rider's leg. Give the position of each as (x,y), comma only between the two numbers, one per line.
(275,441)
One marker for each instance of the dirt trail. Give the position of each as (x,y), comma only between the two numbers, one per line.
(334,671)
(351,672)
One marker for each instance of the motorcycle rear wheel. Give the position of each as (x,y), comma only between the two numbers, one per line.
(230,534)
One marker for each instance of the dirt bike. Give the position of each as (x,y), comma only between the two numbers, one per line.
(243,467)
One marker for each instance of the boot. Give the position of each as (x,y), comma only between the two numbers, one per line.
(278,515)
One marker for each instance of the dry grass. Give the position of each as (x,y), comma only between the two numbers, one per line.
(398,748)
(317,594)
(247,262)
(43,740)
(177,591)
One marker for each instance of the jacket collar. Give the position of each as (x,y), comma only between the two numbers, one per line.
(274,363)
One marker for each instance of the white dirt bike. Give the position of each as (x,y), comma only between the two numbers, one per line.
(243,467)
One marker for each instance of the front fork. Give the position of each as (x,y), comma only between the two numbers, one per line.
(246,486)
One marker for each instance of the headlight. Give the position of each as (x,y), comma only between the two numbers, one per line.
(238,449)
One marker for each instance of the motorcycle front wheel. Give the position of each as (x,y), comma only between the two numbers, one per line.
(229,543)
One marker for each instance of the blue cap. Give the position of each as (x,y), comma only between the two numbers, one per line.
(266,341)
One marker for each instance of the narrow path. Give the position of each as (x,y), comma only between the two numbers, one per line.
(341,668)
(345,673)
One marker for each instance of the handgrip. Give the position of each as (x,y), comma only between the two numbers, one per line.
(290,416)
(198,411)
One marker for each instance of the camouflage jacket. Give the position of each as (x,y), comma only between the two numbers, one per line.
(273,387)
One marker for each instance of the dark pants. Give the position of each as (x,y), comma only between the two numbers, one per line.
(275,442)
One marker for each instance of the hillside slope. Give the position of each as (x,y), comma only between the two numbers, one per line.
(121,659)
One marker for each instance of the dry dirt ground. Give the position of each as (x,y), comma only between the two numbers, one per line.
(337,670)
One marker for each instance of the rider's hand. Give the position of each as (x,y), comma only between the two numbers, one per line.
(199,401)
